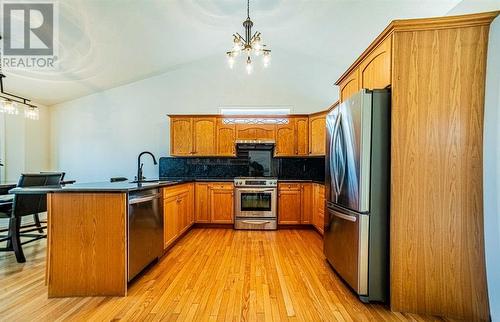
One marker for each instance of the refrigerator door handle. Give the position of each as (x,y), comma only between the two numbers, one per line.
(344,159)
(343,216)
(334,165)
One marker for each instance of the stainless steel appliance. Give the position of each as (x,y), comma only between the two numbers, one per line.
(144,230)
(356,241)
(255,203)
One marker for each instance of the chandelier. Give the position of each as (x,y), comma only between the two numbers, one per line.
(248,46)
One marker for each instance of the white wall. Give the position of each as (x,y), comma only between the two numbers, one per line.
(100,135)
(25,144)
(491,150)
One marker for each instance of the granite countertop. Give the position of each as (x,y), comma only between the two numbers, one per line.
(126,186)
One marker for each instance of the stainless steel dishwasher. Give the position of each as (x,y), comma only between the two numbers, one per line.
(145,229)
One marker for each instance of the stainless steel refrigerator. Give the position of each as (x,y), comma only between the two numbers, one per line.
(356,237)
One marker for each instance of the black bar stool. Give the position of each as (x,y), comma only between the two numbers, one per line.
(26,205)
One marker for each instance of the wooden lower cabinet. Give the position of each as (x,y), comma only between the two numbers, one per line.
(201,204)
(294,203)
(307,203)
(178,212)
(221,198)
(318,206)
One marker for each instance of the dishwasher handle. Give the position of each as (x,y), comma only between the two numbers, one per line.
(133,201)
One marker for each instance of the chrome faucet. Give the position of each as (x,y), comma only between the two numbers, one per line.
(140,177)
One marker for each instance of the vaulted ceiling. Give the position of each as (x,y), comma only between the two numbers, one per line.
(107,43)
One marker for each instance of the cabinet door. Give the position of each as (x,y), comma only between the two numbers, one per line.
(202,214)
(255,131)
(190,201)
(307,203)
(317,134)
(182,212)
(289,204)
(350,85)
(204,136)
(226,135)
(170,220)
(302,136)
(375,69)
(181,136)
(285,139)
(221,203)
(319,207)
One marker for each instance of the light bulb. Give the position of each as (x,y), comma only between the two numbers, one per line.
(266,59)
(257,44)
(10,108)
(249,66)
(32,113)
(230,61)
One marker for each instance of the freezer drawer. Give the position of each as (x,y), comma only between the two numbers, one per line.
(346,247)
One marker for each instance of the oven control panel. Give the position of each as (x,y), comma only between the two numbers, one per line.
(255,182)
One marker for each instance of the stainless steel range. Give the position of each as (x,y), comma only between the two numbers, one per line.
(255,203)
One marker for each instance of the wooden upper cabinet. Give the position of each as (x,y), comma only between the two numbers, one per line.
(289,204)
(317,134)
(221,197)
(375,69)
(181,136)
(204,136)
(285,139)
(349,85)
(302,136)
(226,136)
(255,131)
(292,139)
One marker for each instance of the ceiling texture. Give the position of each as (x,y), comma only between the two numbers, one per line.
(108,43)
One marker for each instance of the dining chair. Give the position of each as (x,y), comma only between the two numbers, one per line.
(26,205)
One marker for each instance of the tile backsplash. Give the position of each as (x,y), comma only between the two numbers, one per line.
(283,168)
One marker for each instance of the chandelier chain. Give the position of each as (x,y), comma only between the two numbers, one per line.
(248,9)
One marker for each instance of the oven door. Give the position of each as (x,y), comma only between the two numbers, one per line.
(255,202)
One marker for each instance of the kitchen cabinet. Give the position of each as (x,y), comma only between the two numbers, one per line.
(318,206)
(177,212)
(285,139)
(349,85)
(317,134)
(209,135)
(292,139)
(431,113)
(204,130)
(375,69)
(181,136)
(202,207)
(307,203)
(302,136)
(221,197)
(255,131)
(294,203)
(226,136)
(193,136)
(170,220)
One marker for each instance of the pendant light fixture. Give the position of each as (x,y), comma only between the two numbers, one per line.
(250,45)
(9,103)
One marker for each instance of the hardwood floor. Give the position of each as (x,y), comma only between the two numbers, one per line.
(210,275)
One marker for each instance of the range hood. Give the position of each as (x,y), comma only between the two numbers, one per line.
(255,144)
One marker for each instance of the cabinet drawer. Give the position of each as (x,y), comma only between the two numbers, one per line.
(289,186)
